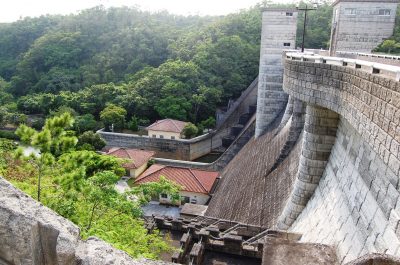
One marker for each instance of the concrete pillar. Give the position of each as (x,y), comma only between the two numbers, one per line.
(278,34)
(319,136)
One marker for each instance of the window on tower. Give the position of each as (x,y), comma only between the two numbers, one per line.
(350,11)
(384,12)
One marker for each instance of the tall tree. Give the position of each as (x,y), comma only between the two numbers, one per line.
(51,142)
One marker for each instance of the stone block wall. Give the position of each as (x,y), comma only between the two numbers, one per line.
(356,203)
(370,103)
(248,190)
(319,136)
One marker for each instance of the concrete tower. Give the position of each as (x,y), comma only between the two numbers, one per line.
(361,25)
(278,34)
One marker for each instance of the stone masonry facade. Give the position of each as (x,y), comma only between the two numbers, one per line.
(319,137)
(370,103)
(355,203)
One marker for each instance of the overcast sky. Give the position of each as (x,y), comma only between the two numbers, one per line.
(12,10)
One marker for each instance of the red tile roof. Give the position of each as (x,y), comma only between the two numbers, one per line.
(137,157)
(192,180)
(168,125)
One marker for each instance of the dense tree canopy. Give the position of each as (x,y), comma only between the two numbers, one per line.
(154,65)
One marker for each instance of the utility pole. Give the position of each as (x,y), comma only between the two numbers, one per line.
(306,9)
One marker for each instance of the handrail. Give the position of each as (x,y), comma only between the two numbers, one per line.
(233,228)
(255,238)
(374,68)
(385,56)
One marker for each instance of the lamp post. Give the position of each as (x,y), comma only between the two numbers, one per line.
(306,9)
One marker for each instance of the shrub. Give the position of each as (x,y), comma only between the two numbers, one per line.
(200,129)
(85,123)
(209,123)
(113,115)
(190,130)
(92,139)
(133,124)
(38,124)
(8,135)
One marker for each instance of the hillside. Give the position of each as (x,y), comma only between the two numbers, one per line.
(154,65)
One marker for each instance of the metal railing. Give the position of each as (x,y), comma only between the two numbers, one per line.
(385,70)
(372,55)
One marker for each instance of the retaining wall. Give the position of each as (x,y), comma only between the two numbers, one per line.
(166,148)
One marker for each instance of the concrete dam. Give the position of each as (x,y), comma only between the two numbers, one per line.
(326,163)
(317,184)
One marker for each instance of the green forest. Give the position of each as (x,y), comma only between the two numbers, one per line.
(153,65)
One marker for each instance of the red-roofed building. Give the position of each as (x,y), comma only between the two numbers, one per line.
(167,128)
(196,183)
(137,159)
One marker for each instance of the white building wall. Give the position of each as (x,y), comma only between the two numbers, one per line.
(134,173)
(165,135)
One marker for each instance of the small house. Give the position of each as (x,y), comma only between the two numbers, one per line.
(167,129)
(136,159)
(196,184)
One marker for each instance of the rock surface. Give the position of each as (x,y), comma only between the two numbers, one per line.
(31,233)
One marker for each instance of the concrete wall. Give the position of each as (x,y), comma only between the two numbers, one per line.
(199,197)
(180,149)
(239,107)
(358,25)
(355,205)
(278,27)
